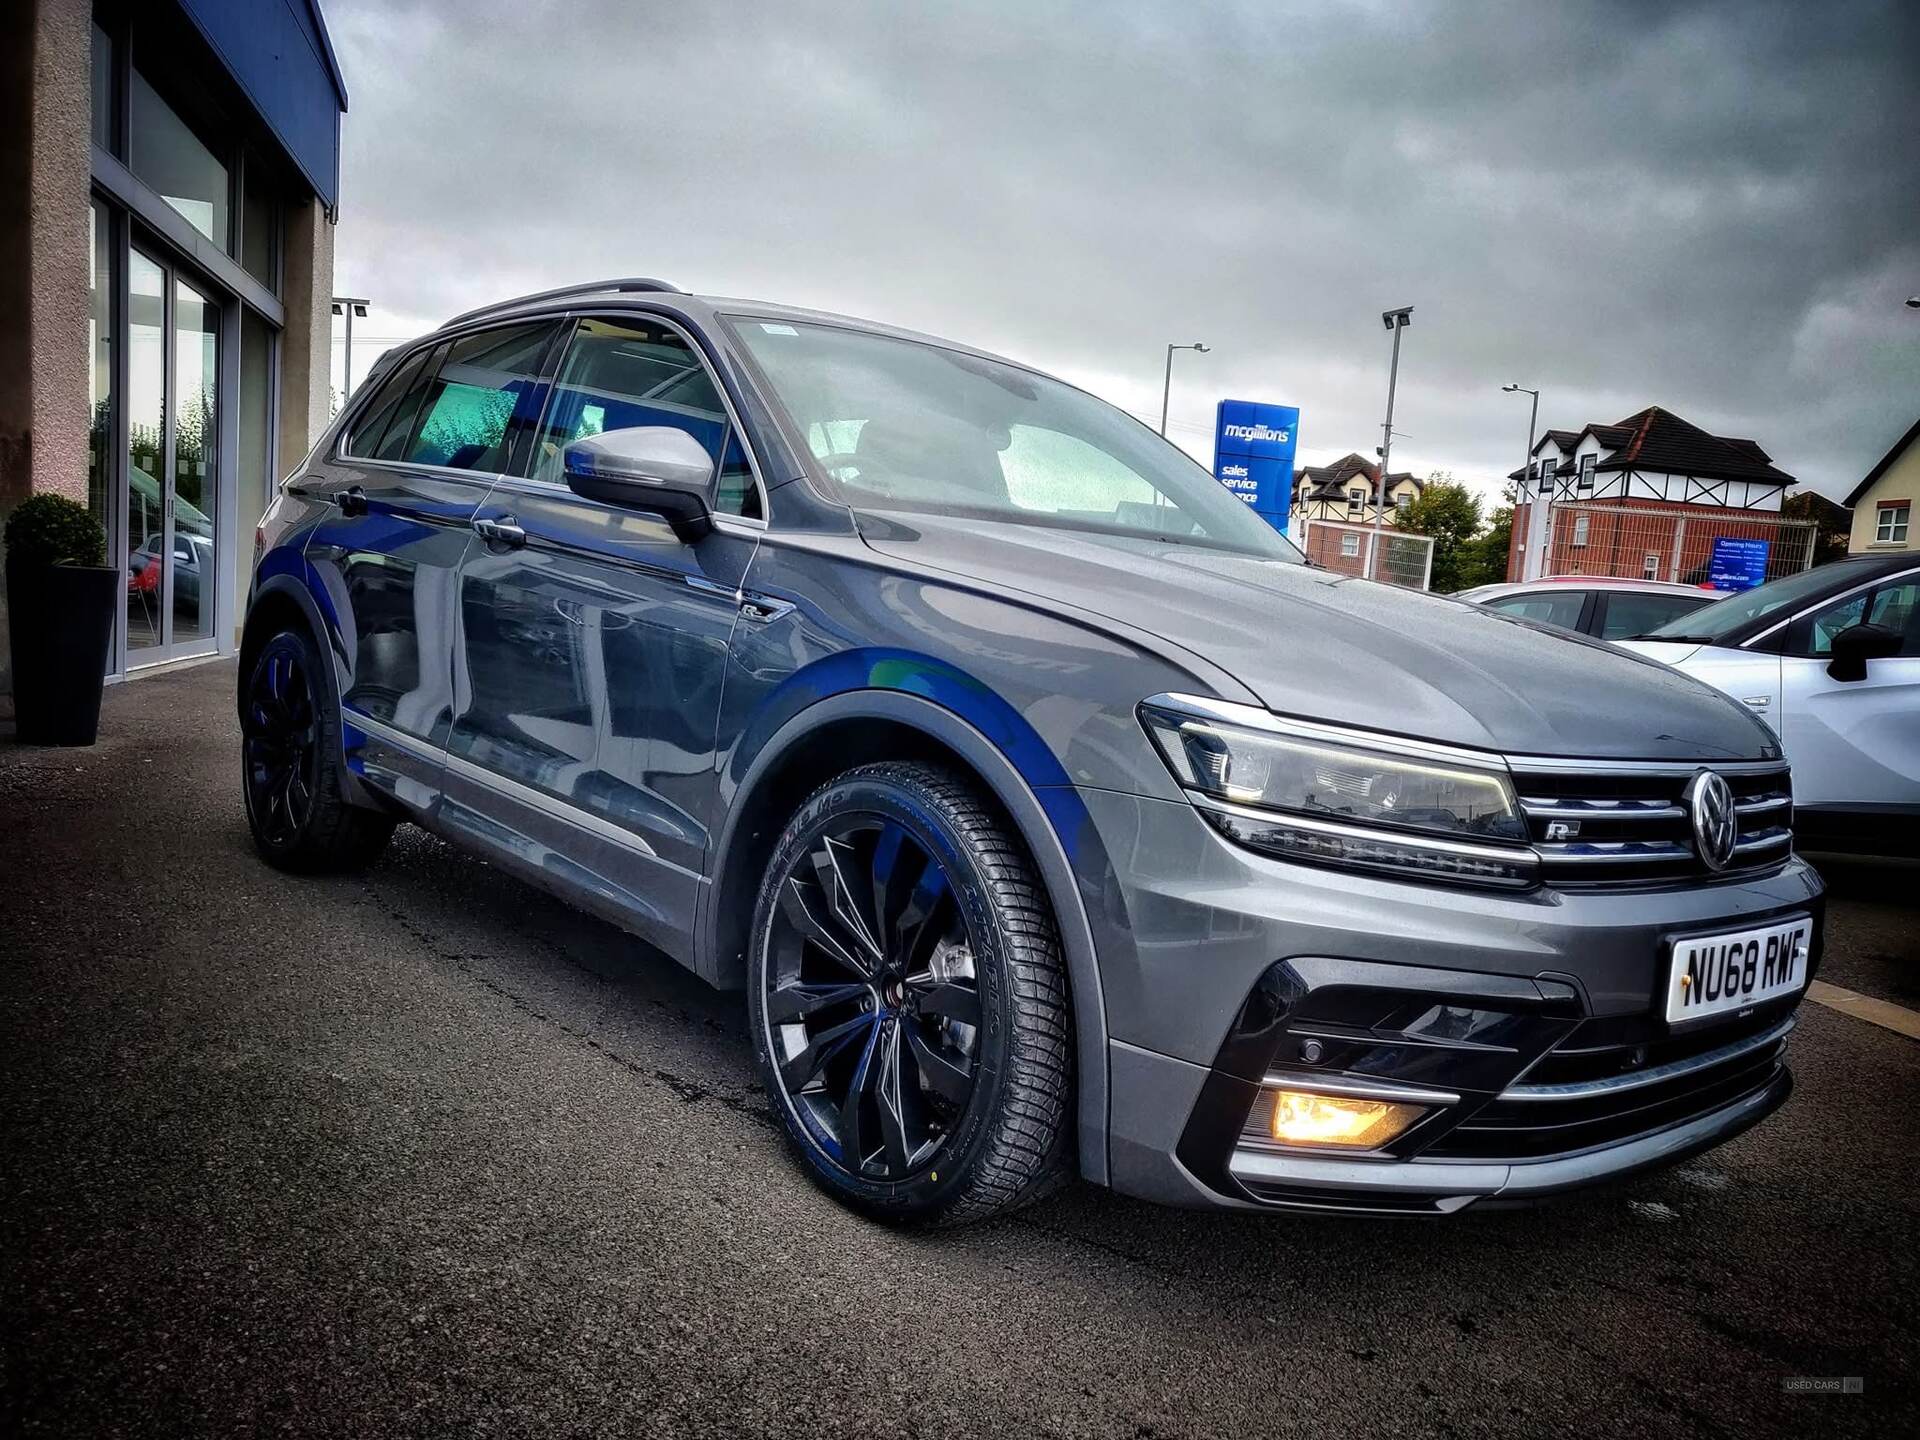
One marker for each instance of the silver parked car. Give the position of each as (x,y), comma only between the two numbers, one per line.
(1604,606)
(1054,817)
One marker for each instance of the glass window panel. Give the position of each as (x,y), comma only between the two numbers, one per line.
(147,458)
(1831,621)
(102,97)
(1629,614)
(259,226)
(168,156)
(938,420)
(196,439)
(1562,608)
(1897,608)
(384,427)
(487,393)
(622,374)
(256,477)
(100,348)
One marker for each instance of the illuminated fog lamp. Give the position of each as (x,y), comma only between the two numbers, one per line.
(1339,1121)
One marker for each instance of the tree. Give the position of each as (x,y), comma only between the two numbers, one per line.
(1485,559)
(1450,513)
(1833,523)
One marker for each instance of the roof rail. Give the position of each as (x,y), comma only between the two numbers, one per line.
(635,284)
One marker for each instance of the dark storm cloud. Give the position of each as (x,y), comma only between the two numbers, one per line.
(1714,207)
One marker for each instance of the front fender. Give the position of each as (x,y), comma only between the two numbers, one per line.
(1049,816)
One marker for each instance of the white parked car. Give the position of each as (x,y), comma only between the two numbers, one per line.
(1608,606)
(1830,658)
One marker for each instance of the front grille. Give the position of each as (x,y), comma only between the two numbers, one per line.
(1628,825)
(1611,1080)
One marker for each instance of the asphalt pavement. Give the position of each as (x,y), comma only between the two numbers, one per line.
(426,1153)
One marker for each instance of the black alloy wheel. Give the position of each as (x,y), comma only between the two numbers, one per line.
(281,729)
(908,1001)
(871,998)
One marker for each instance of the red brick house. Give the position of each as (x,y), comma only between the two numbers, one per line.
(1647,497)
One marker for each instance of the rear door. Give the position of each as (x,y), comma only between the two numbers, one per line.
(1622,614)
(593,642)
(1855,744)
(410,472)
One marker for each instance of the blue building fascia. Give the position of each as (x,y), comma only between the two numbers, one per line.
(280,55)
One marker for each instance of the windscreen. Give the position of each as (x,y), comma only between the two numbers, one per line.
(1723,617)
(904,425)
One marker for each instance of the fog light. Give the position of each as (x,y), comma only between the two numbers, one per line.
(1300,1118)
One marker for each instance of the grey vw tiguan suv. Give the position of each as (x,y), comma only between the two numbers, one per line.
(1052,813)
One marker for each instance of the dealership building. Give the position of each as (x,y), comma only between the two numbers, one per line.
(172,168)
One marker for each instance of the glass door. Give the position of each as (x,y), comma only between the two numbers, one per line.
(173,424)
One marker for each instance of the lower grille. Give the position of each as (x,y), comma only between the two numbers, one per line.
(1601,1086)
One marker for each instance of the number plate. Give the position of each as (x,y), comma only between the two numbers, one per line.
(1717,974)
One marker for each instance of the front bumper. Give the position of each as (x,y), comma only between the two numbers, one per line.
(1528,1019)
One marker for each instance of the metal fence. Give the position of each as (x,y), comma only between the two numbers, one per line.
(1645,543)
(1397,558)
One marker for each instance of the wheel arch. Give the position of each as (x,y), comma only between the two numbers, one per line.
(855,727)
(280,602)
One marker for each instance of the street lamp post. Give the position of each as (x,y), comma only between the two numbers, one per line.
(1536,520)
(348,306)
(1396,321)
(1166,387)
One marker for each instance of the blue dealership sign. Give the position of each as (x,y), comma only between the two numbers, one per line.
(1737,564)
(1253,447)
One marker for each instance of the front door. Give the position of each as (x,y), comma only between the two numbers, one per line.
(594,645)
(173,405)
(1854,744)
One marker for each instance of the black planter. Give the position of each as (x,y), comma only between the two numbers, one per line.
(61,621)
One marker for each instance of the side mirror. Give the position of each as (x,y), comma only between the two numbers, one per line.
(1854,646)
(649,467)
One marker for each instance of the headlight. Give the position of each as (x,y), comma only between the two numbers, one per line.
(1370,802)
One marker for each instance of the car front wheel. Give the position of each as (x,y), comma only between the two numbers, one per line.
(908,1002)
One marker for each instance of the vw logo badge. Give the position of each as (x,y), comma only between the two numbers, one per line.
(1709,802)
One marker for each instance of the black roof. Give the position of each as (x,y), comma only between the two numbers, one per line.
(1658,439)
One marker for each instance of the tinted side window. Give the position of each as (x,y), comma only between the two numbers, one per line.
(1628,615)
(1894,607)
(1897,608)
(487,395)
(622,374)
(1813,634)
(391,408)
(1561,608)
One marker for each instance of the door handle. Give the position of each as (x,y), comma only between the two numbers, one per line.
(504,532)
(353,501)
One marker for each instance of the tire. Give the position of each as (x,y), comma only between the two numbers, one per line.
(957,978)
(292,762)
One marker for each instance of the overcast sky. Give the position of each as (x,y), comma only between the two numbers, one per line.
(1713,207)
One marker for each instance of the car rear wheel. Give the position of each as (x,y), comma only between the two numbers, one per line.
(908,1003)
(291,762)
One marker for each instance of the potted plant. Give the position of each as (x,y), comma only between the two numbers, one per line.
(60,601)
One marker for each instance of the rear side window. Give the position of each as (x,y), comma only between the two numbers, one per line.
(484,400)
(384,427)
(632,372)
(1627,614)
(1561,608)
